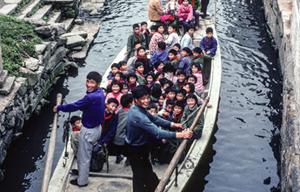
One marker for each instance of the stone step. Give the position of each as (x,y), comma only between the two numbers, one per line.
(8,85)
(68,23)
(8,9)
(58,1)
(83,34)
(13,1)
(55,18)
(29,9)
(3,78)
(41,12)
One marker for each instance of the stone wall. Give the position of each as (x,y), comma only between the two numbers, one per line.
(283,18)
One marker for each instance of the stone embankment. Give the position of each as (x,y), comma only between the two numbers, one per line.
(283,18)
(66,39)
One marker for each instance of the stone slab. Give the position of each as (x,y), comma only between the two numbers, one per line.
(55,18)
(75,41)
(28,10)
(3,78)
(58,1)
(83,34)
(13,1)
(68,23)
(32,64)
(40,48)
(8,9)
(98,1)
(79,55)
(42,12)
(8,85)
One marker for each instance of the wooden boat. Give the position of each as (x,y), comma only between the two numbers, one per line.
(119,177)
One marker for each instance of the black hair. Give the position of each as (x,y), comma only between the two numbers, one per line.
(197,65)
(104,89)
(171,89)
(116,82)
(191,27)
(161,45)
(180,104)
(209,30)
(126,99)
(175,69)
(108,89)
(173,51)
(192,96)
(159,25)
(74,119)
(131,75)
(170,102)
(121,63)
(135,26)
(150,73)
(163,95)
(152,105)
(156,90)
(113,100)
(119,73)
(135,43)
(124,85)
(191,76)
(158,74)
(173,26)
(197,50)
(162,81)
(168,67)
(182,91)
(191,86)
(140,91)
(181,72)
(94,75)
(177,45)
(144,23)
(137,64)
(168,82)
(153,27)
(116,65)
(188,50)
(157,63)
(137,51)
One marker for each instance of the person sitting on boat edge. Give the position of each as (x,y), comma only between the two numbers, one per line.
(109,127)
(185,62)
(114,69)
(136,36)
(157,37)
(116,87)
(139,70)
(161,55)
(119,140)
(197,56)
(140,123)
(187,40)
(173,58)
(76,126)
(92,107)
(208,44)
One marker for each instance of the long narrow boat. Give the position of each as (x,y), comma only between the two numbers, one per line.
(119,176)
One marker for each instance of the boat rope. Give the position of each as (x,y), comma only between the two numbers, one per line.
(65,137)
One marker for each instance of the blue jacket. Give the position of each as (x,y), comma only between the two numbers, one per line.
(92,107)
(109,130)
(140,123)
(211,45)
(110,76)
(185,65)
(159,56)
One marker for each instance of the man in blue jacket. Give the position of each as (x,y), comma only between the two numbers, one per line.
(140,123)
(92,107)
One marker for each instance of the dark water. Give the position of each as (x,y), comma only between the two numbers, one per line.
(244,150)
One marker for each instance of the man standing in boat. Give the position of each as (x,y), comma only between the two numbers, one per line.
(92,107)
(140,123)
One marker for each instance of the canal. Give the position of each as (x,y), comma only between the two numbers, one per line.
(244,151)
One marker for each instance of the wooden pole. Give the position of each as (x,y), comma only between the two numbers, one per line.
(178,153)
(216,15)
(51,148)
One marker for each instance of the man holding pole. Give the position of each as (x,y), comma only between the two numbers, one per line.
(92,107)
(140,123)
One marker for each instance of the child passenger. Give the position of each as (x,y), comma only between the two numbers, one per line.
(185,61)
(197,57)
(146,32)
(172,39)
(161,55)
(119,141)
(76,126)
(196,10)
(150,78)
(173,58)
(185,15)
(116,87)
(209,44)
(196,70)
(187,40)
(158,36)
(139,70)
(114,69)
(136,36)
(158,65)
(181,75)
(131,81)
(123,66)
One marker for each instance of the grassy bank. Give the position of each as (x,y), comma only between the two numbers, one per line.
(15,31)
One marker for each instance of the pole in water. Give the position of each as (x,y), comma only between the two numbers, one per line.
(216,15)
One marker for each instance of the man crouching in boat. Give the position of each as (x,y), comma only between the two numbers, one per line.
(140,123)
(92,107)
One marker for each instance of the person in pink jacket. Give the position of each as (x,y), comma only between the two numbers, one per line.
(185,15)
(196,70)
(116,87)
(158,36)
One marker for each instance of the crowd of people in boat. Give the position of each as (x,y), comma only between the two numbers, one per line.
(173,78)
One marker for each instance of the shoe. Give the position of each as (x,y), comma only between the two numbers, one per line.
(75,171)
(95,170)
(74,182)
(119,158)
(127,162)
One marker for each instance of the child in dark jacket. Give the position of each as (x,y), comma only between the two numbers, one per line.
(139,71)
(150,78)
(146,32)
(181,75)
(109,127)
(209,44)
(173,58)
(161,55)
(114,69)
(136,36)
(185,61)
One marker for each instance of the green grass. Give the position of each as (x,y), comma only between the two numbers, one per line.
(15,31)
